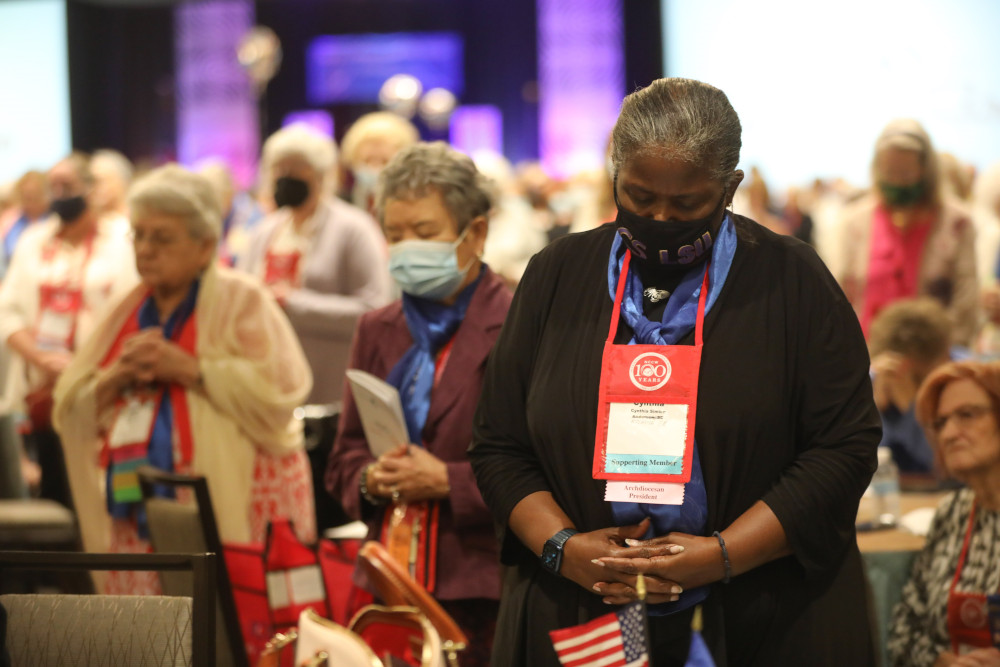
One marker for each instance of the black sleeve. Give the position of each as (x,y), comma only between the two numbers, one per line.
(4,656)
(838,428)
(502,455)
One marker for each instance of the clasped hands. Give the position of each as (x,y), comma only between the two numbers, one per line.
(147,357)
(608,561)
(408,473)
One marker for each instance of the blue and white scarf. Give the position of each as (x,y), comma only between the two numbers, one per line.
(679,319)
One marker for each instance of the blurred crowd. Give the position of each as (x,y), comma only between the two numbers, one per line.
(928,225)
(916,251)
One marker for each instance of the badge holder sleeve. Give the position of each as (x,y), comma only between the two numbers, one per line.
(611,389)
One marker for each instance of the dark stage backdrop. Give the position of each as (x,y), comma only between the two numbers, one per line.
(121,66)
(499,53)
(122,63)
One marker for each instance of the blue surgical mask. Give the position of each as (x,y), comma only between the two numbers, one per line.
(428,269)
(366,177)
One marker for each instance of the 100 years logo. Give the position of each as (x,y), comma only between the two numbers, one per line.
(649,371)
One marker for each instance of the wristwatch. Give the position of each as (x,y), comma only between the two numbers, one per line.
(365,493)
(552,552)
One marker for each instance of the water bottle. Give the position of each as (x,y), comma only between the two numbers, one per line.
(885,483)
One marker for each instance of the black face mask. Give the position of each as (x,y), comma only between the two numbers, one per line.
(290,191)
(674,244)
(69,209)
(902,195)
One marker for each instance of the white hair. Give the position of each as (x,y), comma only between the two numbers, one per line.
(115,162)
(300,140)
(383,125)
(218,174)
(173,190)
(494,166)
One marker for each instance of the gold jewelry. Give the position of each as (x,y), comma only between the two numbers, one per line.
(365,493)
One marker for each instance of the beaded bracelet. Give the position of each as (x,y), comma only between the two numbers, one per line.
(374,500)
(725,556)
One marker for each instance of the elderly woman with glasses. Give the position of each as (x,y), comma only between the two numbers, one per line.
(432,346)
(197,371)
(948,615)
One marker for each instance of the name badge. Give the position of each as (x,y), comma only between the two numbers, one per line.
(646,413)
(55,329)
(647,493)
(646,438)
(646,408)
(134,423)
(281,268)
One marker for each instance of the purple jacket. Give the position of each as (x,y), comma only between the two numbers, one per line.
(468,561)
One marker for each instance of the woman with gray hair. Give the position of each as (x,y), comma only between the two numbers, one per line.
(681,394)
(322,258)
(906,239)
(195,371)
(432,346)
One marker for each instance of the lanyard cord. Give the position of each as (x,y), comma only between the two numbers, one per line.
(620,295)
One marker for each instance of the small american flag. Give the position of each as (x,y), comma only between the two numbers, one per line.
(617,639)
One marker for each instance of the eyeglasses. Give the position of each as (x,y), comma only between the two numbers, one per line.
(155,239)
(963,416)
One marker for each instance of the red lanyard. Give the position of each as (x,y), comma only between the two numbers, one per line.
(49,251)
(620,295)
(186,337)
(968,613)
(965,546)
(59,305)
(647,402)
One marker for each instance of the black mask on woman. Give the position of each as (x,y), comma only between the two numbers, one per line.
(674,244)
(290,191)
(69,209)
(902,195)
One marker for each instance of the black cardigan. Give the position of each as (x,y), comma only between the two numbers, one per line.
(785,414)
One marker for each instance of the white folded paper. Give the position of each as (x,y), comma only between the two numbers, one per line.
(380,410)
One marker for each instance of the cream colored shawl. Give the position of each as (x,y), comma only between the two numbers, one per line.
(254,373)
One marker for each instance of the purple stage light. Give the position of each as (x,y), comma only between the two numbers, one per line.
(216,104)
(353,68)
(581,81)
(316,119)
(476,128)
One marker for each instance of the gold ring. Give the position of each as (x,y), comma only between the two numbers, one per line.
(395,494)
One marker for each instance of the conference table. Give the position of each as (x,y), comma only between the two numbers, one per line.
(888,555)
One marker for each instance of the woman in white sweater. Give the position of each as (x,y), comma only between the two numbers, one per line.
(197,370)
